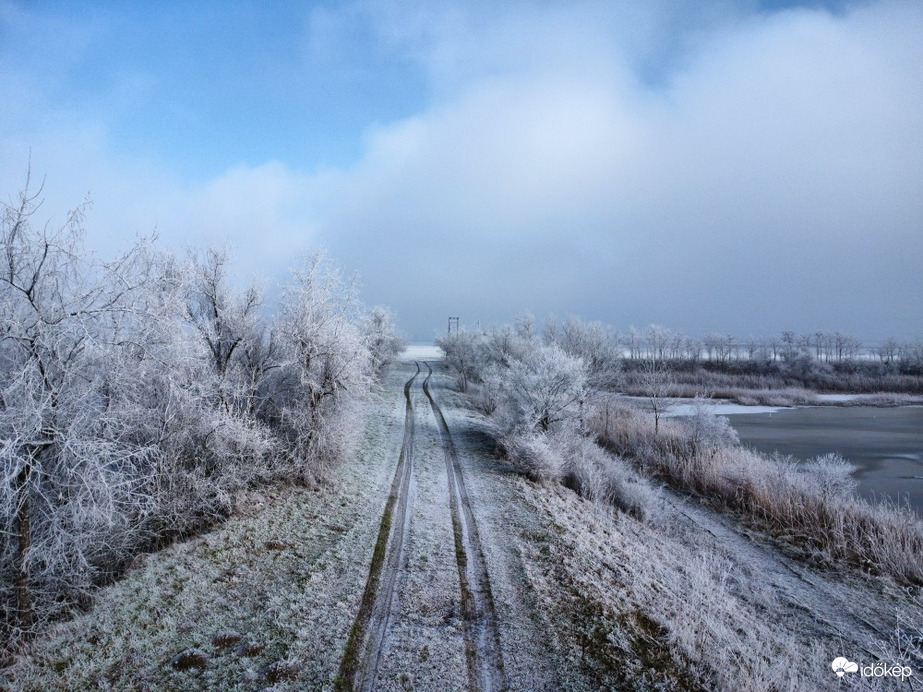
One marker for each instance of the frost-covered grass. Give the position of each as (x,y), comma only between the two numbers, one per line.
(266,598)
(649,609)
(666,605)
(811,506)
(230,594)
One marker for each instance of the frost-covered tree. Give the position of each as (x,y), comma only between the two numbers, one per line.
(525,326)
(596,344)
(222,317)
(69,475)
(657,338)
(261,355)
(463,355)
(889,351)
(138,396)
(381,337)
(328,357)
(712,344)
(490,390)
(655,376)
(201,418)
(706,431)
(545,389)
(633,343)
(500,346)
(226,321)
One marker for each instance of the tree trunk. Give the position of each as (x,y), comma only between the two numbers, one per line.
(23,594)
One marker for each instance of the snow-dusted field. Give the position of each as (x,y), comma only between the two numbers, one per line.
(422,351)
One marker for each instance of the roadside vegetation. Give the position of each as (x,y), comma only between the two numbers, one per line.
(549,395)
(139,396)
(552,399)
(539,396)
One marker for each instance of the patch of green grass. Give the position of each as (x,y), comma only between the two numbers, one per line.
(350,662)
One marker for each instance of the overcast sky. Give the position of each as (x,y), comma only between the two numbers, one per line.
(739,166)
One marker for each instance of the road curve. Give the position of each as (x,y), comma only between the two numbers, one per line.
(359,666)
(482,641)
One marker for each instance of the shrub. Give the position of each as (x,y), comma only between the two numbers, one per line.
(570,458)
(137,397)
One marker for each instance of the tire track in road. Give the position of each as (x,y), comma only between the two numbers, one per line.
(482,641)
(359,667)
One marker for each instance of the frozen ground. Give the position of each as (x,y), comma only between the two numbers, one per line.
(583,598)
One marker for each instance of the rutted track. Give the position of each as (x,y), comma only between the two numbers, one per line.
(482,643)
(359,666)
(379,611)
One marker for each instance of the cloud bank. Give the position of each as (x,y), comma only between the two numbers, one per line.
(769,178)
(711,166)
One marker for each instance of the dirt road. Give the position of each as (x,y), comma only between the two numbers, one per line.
(382,623)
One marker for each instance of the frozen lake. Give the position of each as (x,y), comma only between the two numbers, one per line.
(884,444)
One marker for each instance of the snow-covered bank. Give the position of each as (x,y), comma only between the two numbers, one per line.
(687,407)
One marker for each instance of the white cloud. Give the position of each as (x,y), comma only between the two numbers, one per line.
(260,211)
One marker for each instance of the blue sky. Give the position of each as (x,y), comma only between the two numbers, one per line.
(205,86)
(745,166)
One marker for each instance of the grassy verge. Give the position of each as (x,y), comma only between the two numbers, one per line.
(645,606)
(221,611)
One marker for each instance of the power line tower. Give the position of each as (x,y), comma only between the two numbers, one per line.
(453,321)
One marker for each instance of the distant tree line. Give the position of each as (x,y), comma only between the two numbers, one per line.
(138,395)
(822,361)
(821,347)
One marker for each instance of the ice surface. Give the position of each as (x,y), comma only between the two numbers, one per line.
(687,408)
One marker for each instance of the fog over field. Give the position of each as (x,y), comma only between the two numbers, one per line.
(738,166)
